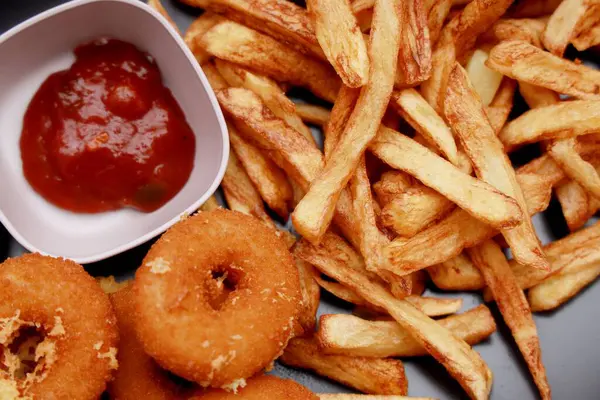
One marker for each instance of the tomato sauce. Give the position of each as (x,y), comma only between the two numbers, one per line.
(106,133)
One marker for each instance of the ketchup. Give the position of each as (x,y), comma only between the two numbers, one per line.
(106,133)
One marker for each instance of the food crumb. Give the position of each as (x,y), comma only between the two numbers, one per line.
(159,265)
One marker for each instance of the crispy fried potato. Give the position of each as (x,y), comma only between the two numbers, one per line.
(575,203)
(350,335)
(484,80)
(527,29)
(368,375)
(341,39)
(467,117)
(536,96)
(525,62)
(210,204)
(458,273)
(475,196)
(460,230)
(340,113)
(241,45)
(565,153)
(557,290)
(311,294)
(313,214)
(559,121)
(587,39)
(312,114)
(157,5)
(497,274)
(414,58)
(569,19)
(502,104)
(423,118)
(391,184)
(437,12)
(533,8)
(458,358)
(196,29)
(268,90)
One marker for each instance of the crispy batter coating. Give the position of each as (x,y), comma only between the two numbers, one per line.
(138,376)
(57,301)
(217,298)
(264,387)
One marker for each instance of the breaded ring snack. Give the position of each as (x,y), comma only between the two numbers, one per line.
(58,332)
(264,387)
(217,298)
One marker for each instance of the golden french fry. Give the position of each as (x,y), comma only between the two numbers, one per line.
(575,204)
(311,114)
(341,39)
(340,113)
(569,19)
(437,11)
(391,184)
(536,96)
(210,204)
(565,153)
(533,8)
(311,294)
(434,306)
(527,29)
(498,276)
(196,29)
(477,197)
(414,58)
(423,118)
(557,290)
(368,375)
(460,230)
(502,104)
(467,117)
(283,20)
(587,39)
(268,90)
(157,5)
(458,273)
(484,80)
(559,121)
(344,396)
(342,292)
(353,336)
(313,214)
(241,45)
(454,354)
(524,62)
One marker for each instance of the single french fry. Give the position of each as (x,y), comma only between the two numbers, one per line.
(502,104)
(569,19)
(467,117)
(368,375)
(587,39)
(196,29)
(157,5)
(524,62)
(423,118)
(475,196)
(353,336)
(460,230)
(268,90)
(311,294)
(391,184)
(575,204)
(340,113)
(210,204)
(484,80)
(565,153)
(341,40)
(557,290)
(238,44)
(344,396)
(312,114)
(437,12)
(559,121)
(498,276)
(536,96)
(454,354)
(342,292)
(313,214)
(414,58)
(533,8)
(434,306)
(458,273)
(527,29)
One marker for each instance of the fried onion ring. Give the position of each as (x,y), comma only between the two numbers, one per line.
(57,312)
(264,387)
(217,298)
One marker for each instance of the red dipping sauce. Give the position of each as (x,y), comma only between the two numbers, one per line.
(106,133)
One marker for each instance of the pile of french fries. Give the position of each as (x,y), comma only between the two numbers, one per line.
(414,181)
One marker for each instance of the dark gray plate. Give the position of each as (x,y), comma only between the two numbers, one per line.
(568,335)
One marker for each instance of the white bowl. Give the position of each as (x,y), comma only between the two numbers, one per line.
(43,45)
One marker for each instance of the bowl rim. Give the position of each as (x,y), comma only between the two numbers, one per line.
(142,6)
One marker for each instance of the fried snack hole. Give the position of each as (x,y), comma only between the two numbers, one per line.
(223,281)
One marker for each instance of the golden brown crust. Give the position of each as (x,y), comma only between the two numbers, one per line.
(264,387)
(190,324)
(76,318)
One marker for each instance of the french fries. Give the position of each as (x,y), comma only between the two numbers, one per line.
(405,154)
(241,45)
(565,23)
(340,113)
(458,358)
(341,39)
(196,29)
(457,273)
(502,104)
(210,204)
(575,203)
(423,118)
(313,214)
(527,29)
(414,58)
(484,80)
(536,96)
(368,375)
(558,121)
(565,153)
(350,335)
(312,114)
(524,62)
(466,115)
(587,39)
(311,295)
(497,274)
(437,11)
